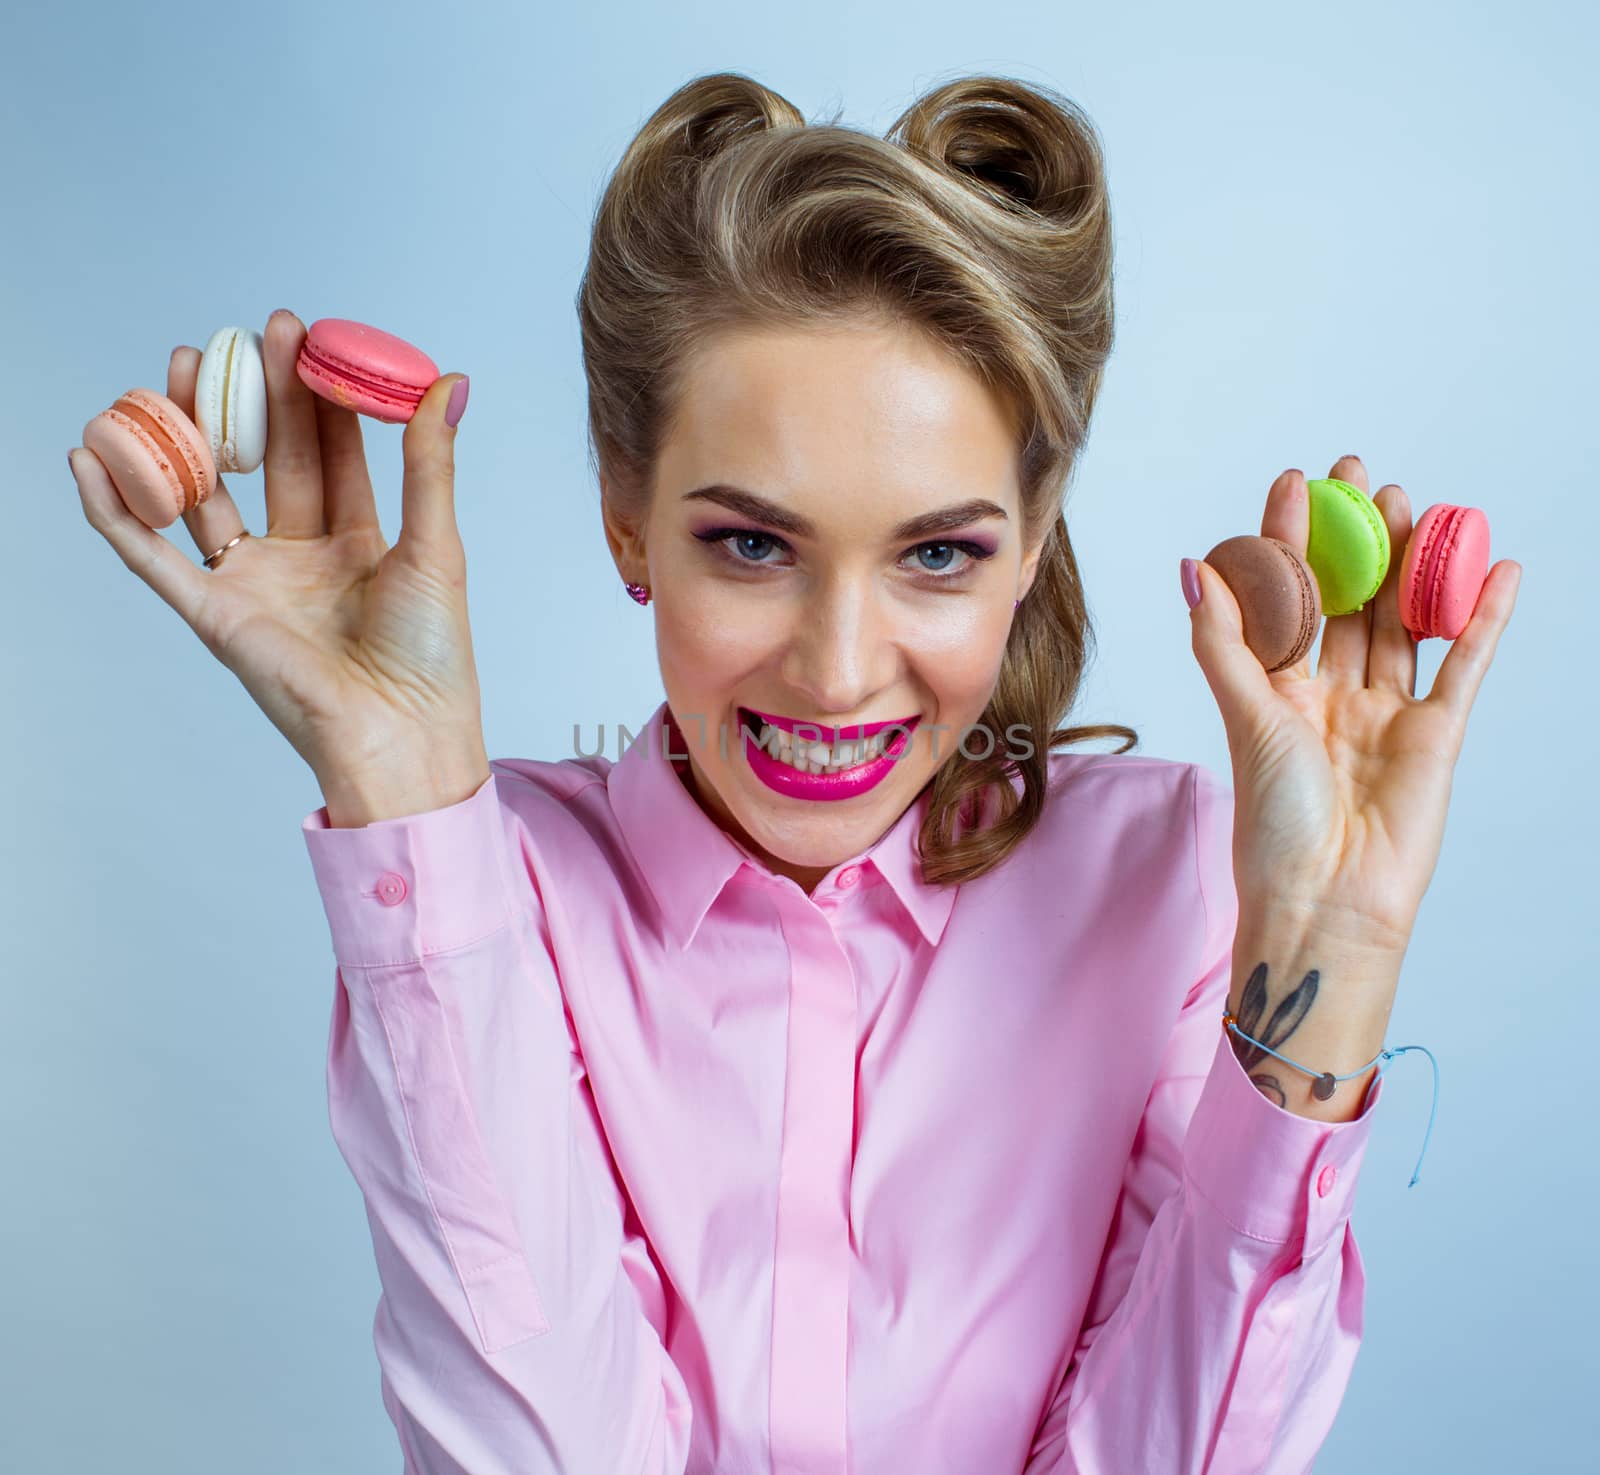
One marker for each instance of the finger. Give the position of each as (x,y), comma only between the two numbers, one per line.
(1288,514)
(1288,519)
(347,499)
(1352,470)
(1243,691)
(294,458)
(1455,686)
(217,519)
(428,512)
(160,563)
(1346,638)
(1392,656)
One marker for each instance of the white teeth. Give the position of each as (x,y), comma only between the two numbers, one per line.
(809,757)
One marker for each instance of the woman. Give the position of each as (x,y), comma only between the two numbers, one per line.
(715,1114)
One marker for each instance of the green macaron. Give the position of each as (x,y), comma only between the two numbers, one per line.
(1348,545)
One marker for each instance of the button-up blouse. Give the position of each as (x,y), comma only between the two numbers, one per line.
(670,1166)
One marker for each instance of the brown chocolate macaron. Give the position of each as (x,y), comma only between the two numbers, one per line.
(1277,595)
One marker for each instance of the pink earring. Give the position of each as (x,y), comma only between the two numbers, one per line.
(639,592)
(1015,603)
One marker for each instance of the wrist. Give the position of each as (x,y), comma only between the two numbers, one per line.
(1295,917)
(353,801)
(1313,997)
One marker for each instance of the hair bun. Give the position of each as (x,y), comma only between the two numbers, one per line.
(1024,146)
(706,116)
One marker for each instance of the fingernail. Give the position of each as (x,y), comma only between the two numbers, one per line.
(1190,576)
(69,464)
(458,402)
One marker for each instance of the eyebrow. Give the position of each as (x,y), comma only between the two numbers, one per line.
(927,524)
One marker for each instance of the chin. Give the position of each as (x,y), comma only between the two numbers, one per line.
(806,833)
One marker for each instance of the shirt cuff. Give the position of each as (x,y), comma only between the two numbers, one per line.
(1272,1174)
(399,889)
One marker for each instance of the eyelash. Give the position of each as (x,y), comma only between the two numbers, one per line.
(717,537)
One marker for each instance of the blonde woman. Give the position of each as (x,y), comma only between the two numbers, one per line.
(836,1078)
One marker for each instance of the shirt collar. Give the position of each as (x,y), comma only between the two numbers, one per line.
(687,857)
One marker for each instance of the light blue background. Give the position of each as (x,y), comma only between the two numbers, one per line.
(1366,228)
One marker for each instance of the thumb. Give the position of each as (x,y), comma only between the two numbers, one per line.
(428,500)
(1233,671)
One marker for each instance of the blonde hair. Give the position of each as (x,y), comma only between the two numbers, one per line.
(982,218)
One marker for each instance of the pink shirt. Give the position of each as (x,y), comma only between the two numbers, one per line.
(672,1167)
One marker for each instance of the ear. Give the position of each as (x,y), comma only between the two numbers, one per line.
(1030,567)
(625,541)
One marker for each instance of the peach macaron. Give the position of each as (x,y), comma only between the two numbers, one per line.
(157,458)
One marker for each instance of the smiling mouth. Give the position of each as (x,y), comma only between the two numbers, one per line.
(796,764)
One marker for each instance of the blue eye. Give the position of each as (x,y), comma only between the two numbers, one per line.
(748,538)
(951,547)
(722,538)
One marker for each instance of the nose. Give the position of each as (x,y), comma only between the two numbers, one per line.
(841,650)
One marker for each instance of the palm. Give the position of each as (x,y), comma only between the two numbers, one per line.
(1342,776)
(334,634)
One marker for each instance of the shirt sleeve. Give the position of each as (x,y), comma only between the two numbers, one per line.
(519,1328)
(1227,1308)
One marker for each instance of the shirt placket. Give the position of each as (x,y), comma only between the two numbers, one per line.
(811,1271)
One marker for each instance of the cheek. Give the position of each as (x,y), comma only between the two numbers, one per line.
(959,656)
(710,644)
(961,686)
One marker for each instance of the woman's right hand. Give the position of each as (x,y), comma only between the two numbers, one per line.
(360,654)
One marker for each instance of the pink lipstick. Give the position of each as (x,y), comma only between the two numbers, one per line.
(845,783)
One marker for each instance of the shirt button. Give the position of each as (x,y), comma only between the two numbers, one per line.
(849,876)
(1325,1179)
(391,889)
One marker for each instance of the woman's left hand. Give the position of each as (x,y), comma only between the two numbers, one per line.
(1342,778)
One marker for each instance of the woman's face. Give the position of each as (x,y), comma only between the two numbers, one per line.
(785,581)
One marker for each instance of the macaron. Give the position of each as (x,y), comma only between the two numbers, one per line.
(1442,571)
(156,456)
(1277,594)
(1348,545)
(230,399)
(365,369)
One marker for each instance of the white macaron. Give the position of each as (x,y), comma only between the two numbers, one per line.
(230,399)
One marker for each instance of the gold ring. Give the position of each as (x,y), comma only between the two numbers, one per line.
(211,559)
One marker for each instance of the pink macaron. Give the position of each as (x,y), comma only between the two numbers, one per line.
(155,454)
(365,369)
(1445,563)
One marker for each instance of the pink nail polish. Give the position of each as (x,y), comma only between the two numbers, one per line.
(458,402)
(1189,574)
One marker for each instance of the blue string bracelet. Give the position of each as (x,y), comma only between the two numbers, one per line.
(1326,1083)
